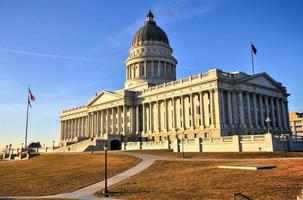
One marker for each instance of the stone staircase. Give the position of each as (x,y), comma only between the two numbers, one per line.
(85,145)
(301,196)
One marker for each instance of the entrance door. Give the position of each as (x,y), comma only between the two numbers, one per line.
(115,145)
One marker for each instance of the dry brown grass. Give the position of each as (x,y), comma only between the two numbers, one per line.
(221,155)
(203,180)
(57,173)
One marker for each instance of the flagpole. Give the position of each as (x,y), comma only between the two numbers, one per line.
(252,59)
(26,127)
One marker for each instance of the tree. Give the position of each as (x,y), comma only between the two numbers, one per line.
(36,145)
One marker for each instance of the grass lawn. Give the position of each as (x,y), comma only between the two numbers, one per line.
(56,173)
(220,155)
(203,180)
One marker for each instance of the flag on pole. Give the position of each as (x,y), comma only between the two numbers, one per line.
(253,48)
(30,98)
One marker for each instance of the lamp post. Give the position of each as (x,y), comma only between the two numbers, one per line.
(105,191)
(182,147)
(53,144)
(284,139)
(22,147)
(267,120)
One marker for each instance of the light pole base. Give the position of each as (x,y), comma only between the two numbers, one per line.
(105,192)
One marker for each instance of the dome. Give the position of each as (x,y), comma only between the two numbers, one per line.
(150,31)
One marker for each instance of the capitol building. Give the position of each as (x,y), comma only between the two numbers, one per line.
(154,106)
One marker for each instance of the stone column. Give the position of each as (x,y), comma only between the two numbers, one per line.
(97,123)
(230,110)
(83,126)
(113,120)
(143,118)
(241,110)
(62,130)
(67,129)
(222,107)
(137,119)
(255,111)
(91,124)
(174,124)
(192,125)
(158,116)
(273,113)
(216,108)
(72,127)
(284,115)
(280,125)
(183,113)
(212,110)
(132,119)
(118,120)
(75,127)
(124,120)
(79,127)
(165,113)
(87,126)
(151,117)
(101,122)
(267,106)
(152,69)
(261,112)
(106,121)
(145,72)
(201,106)
(248,110)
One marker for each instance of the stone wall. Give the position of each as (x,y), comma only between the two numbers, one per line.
(236,143)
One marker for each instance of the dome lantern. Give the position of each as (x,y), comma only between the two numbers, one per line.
(150,32)
(150,16)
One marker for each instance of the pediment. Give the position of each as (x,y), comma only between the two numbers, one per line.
(263,80)
(105,97)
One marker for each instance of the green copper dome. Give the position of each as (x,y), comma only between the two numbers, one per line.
(150,31)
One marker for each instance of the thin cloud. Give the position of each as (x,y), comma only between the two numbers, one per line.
(166,12)
(76,58)
(296,109)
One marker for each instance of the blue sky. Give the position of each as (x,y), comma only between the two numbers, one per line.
(68,50)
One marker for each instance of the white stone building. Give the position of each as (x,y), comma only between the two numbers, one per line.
(154,106)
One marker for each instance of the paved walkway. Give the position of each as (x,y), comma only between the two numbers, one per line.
(87,193)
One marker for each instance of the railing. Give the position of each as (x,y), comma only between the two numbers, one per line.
(75,145)
(241,195)
(177,82)
(227,139)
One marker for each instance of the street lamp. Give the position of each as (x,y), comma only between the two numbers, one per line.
(105,191)
(53,144)
(267,120)
(284,139)
(22,147)
(182,147)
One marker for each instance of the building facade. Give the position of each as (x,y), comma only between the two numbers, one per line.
(296,123)
(154,106)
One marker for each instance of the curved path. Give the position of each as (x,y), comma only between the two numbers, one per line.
(88,192)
